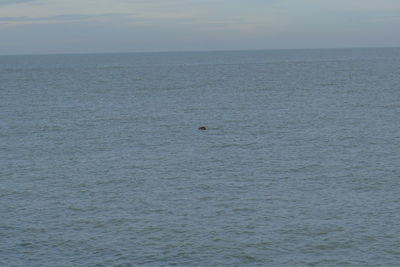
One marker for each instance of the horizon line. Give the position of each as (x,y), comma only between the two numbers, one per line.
(196,51)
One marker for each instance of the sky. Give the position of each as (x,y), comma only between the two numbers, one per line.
(96,26)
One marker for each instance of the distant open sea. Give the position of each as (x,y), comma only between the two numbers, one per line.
(102,162)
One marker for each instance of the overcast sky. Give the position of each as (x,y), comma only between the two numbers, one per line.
(79,26)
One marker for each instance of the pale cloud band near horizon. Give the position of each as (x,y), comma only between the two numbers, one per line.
(12,2)
(66,17)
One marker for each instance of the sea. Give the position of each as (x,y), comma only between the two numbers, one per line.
(102,162)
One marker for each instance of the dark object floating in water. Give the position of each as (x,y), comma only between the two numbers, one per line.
(202,128)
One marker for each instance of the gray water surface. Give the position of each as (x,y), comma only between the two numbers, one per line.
(102,164)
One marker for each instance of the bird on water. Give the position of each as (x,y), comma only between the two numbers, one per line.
(203,128)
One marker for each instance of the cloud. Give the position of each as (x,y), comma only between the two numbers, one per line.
(12,2)
(65,18)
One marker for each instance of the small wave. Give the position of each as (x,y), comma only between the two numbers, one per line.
(327,84)
(390,106)
(111,67)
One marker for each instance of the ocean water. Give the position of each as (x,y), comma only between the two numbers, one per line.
(102,162)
